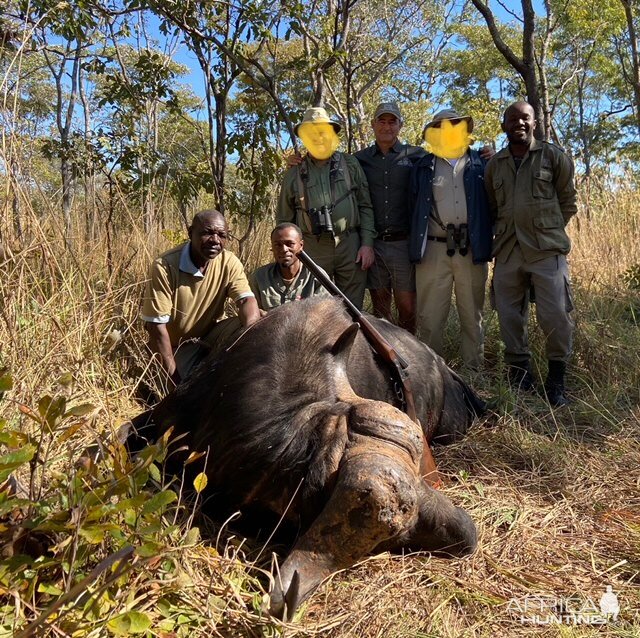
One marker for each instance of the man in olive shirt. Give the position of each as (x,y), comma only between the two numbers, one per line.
(387,165)
(184,299)
(327,196)
(532,197)
(286,279)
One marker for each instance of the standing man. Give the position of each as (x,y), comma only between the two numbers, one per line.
(532,198)
(387,165)
(451,235)
(184,299)
(287,278)
(327,196)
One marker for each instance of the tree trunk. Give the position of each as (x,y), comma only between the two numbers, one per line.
(525,66)
(635,61)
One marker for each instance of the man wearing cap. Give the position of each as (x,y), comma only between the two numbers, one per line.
(327,196)
(532,197)
(185,295)
(451,234)
(387,164)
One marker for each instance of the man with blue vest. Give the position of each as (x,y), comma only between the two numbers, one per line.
(451,235)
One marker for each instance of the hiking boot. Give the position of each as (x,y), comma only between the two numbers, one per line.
(519,376)
(554,385)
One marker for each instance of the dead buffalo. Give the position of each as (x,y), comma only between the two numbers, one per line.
(297,419)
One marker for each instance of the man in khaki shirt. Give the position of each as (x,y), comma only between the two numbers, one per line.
(532,198)
(448,198)
(286,279)
(184,299)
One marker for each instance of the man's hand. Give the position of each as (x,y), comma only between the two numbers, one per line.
(365,257)
(294,159)
(160,343)
(487,152)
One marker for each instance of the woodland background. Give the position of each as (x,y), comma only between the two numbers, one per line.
(110,142)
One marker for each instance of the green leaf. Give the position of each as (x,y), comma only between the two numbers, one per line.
(149,549)
(50,588)
(80,410)
(131,622)
(9,462)
(6,382)
(93,535)
(192,536)
(51,409)
(154,473)
(65,379)
(200,482)
(159,501)
(13,438)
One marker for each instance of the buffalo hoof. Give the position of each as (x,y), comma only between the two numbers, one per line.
(283,605)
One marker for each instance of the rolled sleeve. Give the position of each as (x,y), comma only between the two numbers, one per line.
(238,287)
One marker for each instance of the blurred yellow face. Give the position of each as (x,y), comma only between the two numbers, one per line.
(320,139)
(449,139)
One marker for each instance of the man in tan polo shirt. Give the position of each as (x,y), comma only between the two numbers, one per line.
(184,299)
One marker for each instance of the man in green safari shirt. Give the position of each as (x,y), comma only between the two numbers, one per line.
(327,196)
(287,278)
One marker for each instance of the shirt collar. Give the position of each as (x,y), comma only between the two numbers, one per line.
(186,263)
(396,148)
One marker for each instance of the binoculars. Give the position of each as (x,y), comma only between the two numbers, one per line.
(457,237)
(321,221)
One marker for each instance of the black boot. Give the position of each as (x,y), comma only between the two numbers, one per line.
(519,376)
(554,385)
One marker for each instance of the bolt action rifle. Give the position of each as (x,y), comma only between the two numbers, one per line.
(389,354)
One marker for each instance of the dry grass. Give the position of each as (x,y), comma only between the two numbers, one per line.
(555,495)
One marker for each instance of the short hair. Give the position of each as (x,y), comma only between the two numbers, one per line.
(518,103)
(285,225)
(208,212)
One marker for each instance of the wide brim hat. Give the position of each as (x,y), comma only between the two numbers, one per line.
(317,115)
(450,114)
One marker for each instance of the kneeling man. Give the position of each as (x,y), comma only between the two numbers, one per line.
(184,299)
(286,279)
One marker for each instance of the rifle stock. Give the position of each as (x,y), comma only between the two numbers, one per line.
(389,354)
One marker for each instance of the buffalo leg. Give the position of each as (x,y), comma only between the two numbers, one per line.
(374,499)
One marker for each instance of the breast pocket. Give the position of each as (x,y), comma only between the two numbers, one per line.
(543,184)
(498,191)
(438,188)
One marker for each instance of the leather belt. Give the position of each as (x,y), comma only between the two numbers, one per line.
(442,240)
(393,235)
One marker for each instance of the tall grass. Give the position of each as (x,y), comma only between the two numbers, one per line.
(555,494)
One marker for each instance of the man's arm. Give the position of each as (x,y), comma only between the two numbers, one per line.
(366,256)
(565,187)
(160,343)
(248,310)
(488,186)
(363,200)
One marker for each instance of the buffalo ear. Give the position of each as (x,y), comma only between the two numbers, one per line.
(340,351)
(342,347)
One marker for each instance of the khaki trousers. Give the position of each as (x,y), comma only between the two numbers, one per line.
(511,284)
(436,276)
(337,257)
